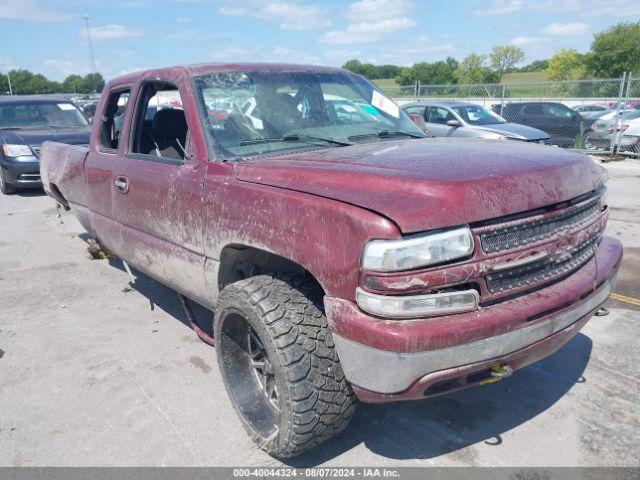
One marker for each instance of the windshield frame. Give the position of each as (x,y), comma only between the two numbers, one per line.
(219,154)
(27,103)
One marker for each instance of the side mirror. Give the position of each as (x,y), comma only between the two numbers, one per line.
(419,121)
(454,123)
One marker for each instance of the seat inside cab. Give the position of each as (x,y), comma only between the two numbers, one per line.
(160,127)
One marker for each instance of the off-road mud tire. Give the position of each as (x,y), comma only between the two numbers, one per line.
(315,400)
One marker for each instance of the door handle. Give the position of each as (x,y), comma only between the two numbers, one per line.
(121,184)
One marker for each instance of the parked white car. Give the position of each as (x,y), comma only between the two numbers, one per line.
(630,139)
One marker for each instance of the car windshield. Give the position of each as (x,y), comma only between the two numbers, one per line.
(256,112)
(477,115)
(41,114)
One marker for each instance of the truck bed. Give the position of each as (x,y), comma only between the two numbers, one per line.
(62,172)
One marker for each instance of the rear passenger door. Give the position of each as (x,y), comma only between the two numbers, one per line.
(535,115)
(102,161)
(158,186)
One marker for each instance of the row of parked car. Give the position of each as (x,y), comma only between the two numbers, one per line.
(551,123)
(25,122)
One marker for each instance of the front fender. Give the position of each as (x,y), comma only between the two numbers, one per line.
(323,236)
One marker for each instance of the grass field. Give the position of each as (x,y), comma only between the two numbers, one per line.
(524,77)
(386,82)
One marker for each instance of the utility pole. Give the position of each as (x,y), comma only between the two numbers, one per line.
(93,58)
(9,79)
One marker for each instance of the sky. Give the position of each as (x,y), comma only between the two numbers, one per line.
(49,36)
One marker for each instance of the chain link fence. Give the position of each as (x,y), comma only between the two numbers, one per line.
(599,116)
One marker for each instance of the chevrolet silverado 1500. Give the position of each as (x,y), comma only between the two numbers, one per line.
(345,255)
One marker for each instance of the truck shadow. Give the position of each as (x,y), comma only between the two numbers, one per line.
(161,296)
(30,192)
(447,424)
(427,428)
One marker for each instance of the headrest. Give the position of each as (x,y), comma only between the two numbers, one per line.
(170,123)
(111,109)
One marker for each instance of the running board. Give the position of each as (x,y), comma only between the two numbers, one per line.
(192,319)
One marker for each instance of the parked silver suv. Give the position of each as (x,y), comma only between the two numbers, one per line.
(448,118)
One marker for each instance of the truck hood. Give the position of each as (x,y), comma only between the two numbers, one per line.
(432,183)
(514,130)
(35,136)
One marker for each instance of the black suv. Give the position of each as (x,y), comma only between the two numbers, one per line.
(566,127)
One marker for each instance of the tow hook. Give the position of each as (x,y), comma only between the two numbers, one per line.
(498,372)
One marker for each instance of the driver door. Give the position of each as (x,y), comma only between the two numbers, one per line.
(437,118)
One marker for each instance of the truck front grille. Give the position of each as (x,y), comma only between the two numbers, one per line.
(532,231)
(546,269)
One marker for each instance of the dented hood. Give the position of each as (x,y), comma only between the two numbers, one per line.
(432,183)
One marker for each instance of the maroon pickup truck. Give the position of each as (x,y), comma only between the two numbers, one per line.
(345,255)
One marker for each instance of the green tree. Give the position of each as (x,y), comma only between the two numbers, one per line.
(437,73)
(94,82)
(354,66)
(566,65)
(614,51)
(25,82)
(473,69)
(4,83)
(73,84)
(535,66)
(504,58)
(387,71)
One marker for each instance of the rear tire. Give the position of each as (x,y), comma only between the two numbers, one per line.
(279,363)
(6,188)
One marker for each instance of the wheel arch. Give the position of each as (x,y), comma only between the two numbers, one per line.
(240,261)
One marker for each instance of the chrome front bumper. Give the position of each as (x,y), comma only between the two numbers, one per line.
(389,372)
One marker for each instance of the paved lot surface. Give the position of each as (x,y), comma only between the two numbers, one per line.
(93,373)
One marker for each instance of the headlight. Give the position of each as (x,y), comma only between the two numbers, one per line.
(19,152)
(416,306)
(418,251)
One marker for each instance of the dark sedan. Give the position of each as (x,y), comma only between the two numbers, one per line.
(566,127)
(26,122)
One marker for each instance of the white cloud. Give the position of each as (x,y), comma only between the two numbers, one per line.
(234,53)
(367,32)
(589,8)
(501,7)
(342,54)
(234,11)
(289,15)
(422,50)
(5,60)
(611,8)
(525,41)
(66,67)
(115,31)
(183,20)
(567,29)
(30,11)
(290,55)
(378,10)
(230,52)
